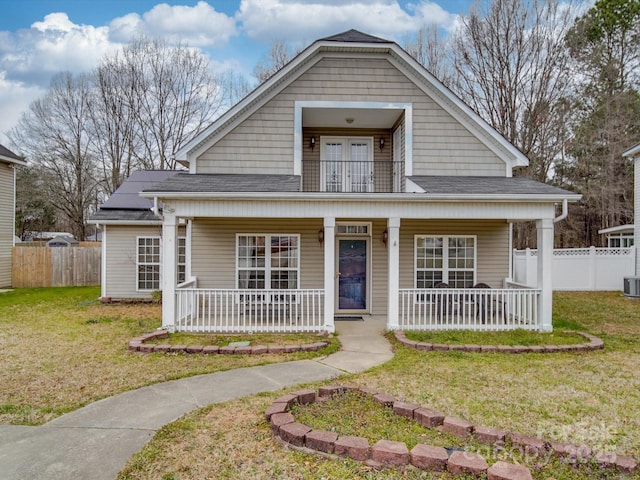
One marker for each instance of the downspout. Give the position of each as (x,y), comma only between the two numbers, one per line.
(565,211)
(155,209)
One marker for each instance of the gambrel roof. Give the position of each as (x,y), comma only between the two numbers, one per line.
(350,42)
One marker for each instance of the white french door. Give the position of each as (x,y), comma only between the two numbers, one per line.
(346,164)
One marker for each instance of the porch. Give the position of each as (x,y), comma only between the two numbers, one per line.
(302,310)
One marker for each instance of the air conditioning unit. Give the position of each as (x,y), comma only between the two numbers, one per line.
(632,286)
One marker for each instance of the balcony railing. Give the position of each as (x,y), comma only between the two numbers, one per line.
(248,311)
(469,309)
(352,177)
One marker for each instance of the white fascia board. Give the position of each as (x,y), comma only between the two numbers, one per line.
(125,222)
(632,152)
(363,197)
(461,111)
(13,160)
(618,229)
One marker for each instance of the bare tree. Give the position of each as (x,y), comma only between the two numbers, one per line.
(431,50)
(174,96)
(52,134)
(512,67)
(605,43)
(280,53)
(113,122)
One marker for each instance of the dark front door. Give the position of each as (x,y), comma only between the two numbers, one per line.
(352,274)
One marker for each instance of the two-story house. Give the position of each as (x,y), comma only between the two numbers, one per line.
(350,183)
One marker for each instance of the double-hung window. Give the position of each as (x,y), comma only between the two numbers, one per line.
(148,259)
(443,258)
(148,262)
(268,261)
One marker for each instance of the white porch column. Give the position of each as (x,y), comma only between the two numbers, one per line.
(168,269)
(545,258)
(393,256)
(329,272)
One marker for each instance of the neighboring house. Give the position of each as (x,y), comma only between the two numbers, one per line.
(618,237)
(8,162)
(64,241)
(350,183)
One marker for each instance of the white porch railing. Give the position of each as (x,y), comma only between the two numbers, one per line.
(469,309)
(245,311)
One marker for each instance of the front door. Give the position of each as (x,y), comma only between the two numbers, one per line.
(352,274)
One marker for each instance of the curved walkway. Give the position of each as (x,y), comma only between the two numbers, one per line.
(96,441)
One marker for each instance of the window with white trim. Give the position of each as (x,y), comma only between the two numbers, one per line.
(181,262)
(445,258)
(268,261)
(148,263)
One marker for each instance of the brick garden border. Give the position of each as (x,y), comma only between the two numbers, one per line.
(594,343)
(139,344)
(426,457)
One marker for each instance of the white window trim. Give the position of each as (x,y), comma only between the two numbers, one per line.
(346,141)
(445,256)
(353,224)
(267,261)
(299,105)
(178,262)
(138,263)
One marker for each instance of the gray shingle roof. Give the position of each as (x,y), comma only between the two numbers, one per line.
(218,183)
(454,185)
(127,196)
(5,152)
(355,36)
(116,215)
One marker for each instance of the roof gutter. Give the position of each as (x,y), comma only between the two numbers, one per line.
(565,211)
(402,197)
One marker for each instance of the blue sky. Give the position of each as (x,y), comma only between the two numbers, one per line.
(39,38)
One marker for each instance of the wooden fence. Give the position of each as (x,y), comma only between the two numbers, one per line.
(55,266)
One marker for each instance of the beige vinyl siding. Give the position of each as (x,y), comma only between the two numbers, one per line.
(441,146)
(121,251)
(213,248)
(379,270)
(493,251)
(7,205)
(214,251)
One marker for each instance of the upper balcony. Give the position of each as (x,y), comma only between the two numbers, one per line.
(340,176)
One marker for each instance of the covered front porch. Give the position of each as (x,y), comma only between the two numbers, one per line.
(279,311)
(319,286)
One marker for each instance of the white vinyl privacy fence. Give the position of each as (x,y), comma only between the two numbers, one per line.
(578,268)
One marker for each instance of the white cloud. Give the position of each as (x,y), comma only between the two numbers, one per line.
(52,45)
(292,20)
(198,26)
(15,98)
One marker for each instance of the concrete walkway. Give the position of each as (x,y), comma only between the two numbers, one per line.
(96,441)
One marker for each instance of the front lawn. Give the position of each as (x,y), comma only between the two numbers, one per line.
(587,398)
(61,349)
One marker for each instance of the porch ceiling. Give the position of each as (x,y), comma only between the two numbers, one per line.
(350,117)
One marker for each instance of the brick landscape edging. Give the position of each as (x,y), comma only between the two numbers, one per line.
(425,457)
(139,344)
(594,343)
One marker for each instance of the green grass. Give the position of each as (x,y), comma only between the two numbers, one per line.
(60,349)
(515,337)
(357,414)
(254,339)
(589,398)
